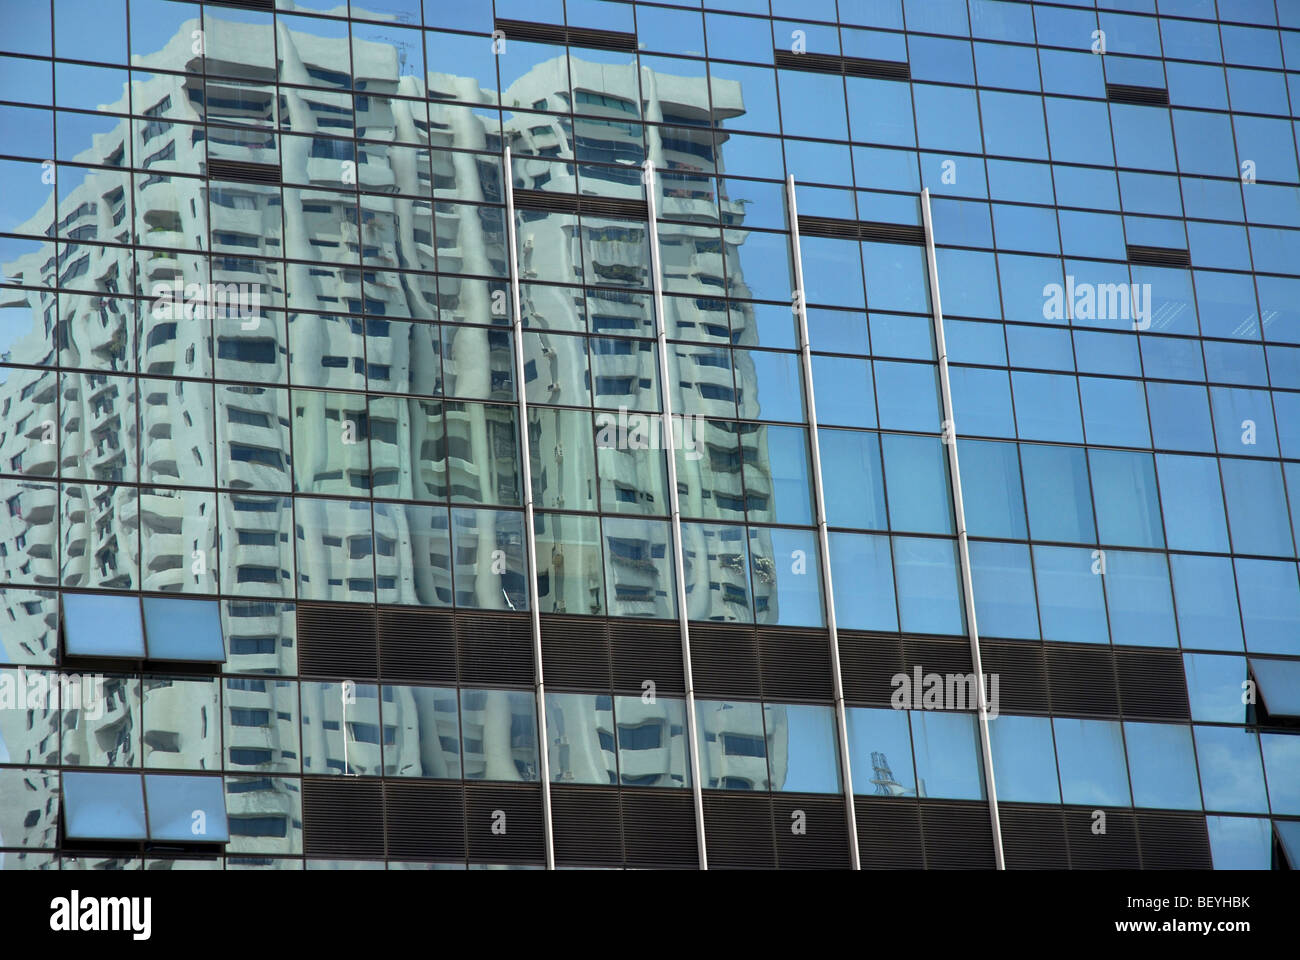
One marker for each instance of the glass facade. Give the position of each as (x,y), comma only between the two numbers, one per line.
(632,529)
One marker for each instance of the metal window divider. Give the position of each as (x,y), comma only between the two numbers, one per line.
(530,536)
(823,536)
(649,181)
(949,435)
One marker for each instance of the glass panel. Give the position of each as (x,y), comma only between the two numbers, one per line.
(186,809)
(183,629)
(1240,843)
(426,732)
(929,594)
(181,731)
(652,749)
(104,806)
(580,730)
(570,576)
(1003,585)
(853,479)
(1024,759)
(1138,596)
(104,626)
(805,758)
(865,560)
(261,725)
(499,735)
(638,569)
(948,762)
(1091,758)
(491,565)
(876,736)
(787,577)
(716,558)
(1232,777)
(733,745)
(1162,766)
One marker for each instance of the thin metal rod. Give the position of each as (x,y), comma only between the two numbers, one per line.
(530,536)
(963,546)
(674,501)
(823,537)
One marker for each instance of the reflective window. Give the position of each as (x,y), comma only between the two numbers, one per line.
(98,625)
(948,762)
(1090,754)
(1162,766)
(880,748)
(1024,759)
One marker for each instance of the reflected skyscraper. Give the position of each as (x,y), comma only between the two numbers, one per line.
(416,412)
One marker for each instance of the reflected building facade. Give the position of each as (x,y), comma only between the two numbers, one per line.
(258,350)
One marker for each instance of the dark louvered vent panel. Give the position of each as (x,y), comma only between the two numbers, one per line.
(417,645)
(587,825)
(936,656)
(867,665)
(246,4)
(647,650)
(549,202)
(889,833)
(1131,93)
(243,172)
(957,836)
(824,842)
(575,653)
(738,830)
(337,640)
(853,66)
(1082,680)
(495,648)
(659,828)
(1021,674)
(1116,849)
(574,36)
(342,817)
(1173,841)
(425,820)
(522,840)
(1159,256)
(796,664)
(724,661)
(1033,837)
(861,230)
(1151,684)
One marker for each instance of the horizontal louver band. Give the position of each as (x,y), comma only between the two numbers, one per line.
(1144,96)
(243,172)
(861,230)
(245,4)
(573,203)
(849,66)
(574,36)
(1159,256)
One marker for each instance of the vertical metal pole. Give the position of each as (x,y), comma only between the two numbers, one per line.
(530,538)
(963,547)
(674,501)
(823,538)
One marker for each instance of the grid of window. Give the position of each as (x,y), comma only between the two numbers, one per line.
(255,350)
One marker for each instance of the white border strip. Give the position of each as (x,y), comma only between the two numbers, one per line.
(530,538)
(963,547)
(823,538)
